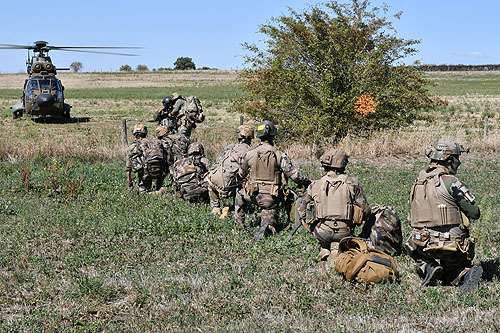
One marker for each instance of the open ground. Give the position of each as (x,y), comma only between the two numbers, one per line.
(80,252)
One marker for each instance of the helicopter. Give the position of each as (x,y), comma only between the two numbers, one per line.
(43,92)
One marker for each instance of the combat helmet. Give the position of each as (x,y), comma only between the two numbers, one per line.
(334,158)
(168,100)
(442,149)
(140,129)
(244,132)
(196,148)
(266,129)
(161,131)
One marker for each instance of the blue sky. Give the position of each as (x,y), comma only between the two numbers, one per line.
(211,32)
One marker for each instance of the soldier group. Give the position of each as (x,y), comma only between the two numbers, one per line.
(441,206)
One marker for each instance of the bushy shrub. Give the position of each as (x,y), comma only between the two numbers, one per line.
(331,70)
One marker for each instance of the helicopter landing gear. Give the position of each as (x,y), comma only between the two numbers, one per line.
(17,114)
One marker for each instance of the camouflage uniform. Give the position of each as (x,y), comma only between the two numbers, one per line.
(215,180)
(178,144)
(440,209)
(331,221)
(268,193)
(188,175)
(138,160)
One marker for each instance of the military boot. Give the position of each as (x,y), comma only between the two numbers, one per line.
(216,211)
(471,278)
(432,273)
(225,212)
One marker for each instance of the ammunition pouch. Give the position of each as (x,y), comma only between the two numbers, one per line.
(420,237)
(358,215)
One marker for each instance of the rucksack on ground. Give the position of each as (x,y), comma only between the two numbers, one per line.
(366,265)
(154,157)
(383,229)
(193,110)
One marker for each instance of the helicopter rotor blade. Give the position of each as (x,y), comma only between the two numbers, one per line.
(14,46)
(100,52)
(93,47)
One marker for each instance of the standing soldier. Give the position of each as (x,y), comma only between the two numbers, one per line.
(441,208)
(267,169)
(333,205)
(188,174)
(222,177)
(134,162)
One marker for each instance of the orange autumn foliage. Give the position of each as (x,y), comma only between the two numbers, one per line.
(365,105)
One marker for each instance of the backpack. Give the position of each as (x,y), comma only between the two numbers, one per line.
(383,229)
(333,199)
(188,178)
(222,174)
(154,157)
(192,109)
(366,265)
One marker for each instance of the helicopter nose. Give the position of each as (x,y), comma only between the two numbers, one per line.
(45,100)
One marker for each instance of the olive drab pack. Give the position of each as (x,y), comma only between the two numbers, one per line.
(426,208)
(187,175)
(193,110)
(222,174)
(383,229)
(154,157)
(357,261)
(265,173)
(333,199)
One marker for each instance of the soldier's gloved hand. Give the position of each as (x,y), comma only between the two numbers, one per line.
(307,183)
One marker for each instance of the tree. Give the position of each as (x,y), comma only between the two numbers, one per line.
(125,68)
(76,66)
(183,63)
(332,70)
(142,68)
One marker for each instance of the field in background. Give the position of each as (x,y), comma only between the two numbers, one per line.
(80,252)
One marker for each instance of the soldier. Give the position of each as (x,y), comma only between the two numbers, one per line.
(188,174)
(179,144)
(333,205)
(222,177)
(164,115)
(148,158)
(267,169)
(441,208)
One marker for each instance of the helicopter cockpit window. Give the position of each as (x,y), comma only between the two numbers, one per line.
(48,84)
(33,85)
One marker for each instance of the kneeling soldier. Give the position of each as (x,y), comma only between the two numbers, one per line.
(333,205)
(440,209)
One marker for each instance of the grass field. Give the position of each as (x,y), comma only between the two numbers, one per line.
(81,252)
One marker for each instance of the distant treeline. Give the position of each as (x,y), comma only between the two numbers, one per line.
(451,68)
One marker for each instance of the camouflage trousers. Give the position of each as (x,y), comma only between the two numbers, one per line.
(215,196)
(269,205)
(453,253)
(329,234)
(145,182)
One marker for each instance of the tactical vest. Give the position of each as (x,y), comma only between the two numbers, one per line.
(222,174)
(333,199)
(265,171)
(426,207)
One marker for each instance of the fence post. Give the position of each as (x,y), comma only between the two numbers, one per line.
(124,133)
(485,127)
(241,120)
